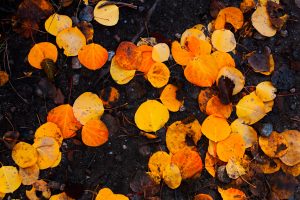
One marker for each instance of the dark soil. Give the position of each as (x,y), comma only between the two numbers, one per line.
(24,103)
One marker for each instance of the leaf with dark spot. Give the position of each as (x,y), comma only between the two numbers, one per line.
(225,86)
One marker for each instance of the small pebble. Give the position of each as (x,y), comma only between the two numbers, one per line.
(266,129)
(111,55)
(293,90)
(284,33)
(178,35)
(145,150)
(222,174)
(86,14)
(124,146)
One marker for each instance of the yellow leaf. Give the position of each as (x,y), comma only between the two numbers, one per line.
(268,106)
(269,166)
(234,168)
(168,98)
(266,91)
(29,174)
(56,23)
(158,75)
(49,129)
(57,161)
(215,128)
(48,151)
(292,156)
(71,40)
(87,106)
(250,109)
(120,75)
(107,15)
(60,196)
(247,132)
(232,194)
(158,163)
(223,40)
(197,33)
(31,194)
(10,180)
(160,52)
(172,176)
(151,116)
(24,154)
(261,22)
(235,75)
(274,146)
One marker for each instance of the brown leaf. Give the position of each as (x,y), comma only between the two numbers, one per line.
(283,185)
(276,13)
(10,138)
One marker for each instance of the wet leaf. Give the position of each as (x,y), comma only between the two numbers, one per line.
(151,116)
(40,52)
(168,98)
(87,106)
(64,118)
(10,180)
(56,23)
(4,77)
(223,40)
(31,194)
(269,166)
(225,86)
(109,96)
(119,75)
(24,154)
(42,186)
(107,15)
(231,15)
(215,128)
(292,170)
(93,56)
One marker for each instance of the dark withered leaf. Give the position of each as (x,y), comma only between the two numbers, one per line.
(49,68)
(225,86)
(215,7)
(65,3)
(87,29)
(10,138)
(259,62)
(142,183)
(276,13)
(74,190)
(86,14)
(283,185)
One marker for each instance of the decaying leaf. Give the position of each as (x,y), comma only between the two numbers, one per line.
(29,174)
(168,98)
(177,133)
(40,52)
(235,76)
(283,185)
(274,146)
(71,40)
(233,147)
(24,154)
(188,161)
(232,194)
(87,29)
(93,56)
(292,170)
(151,116)
(234,168)
(64,118)
(261,22)
(212,148)
(128,56)
(160,52)
(120,75)
(275,11)
(157,164)
(48,151)
(223,40)
(107,15)
(204,96)
(247,5)
(292,156)
(42,186)
(247,132)
(158,75)
(262,62)
(31,194)
(10,180)
(250,109)
(109,96)
(216,128)
(4,77)
(56,23)
(231,15)
(49,129)
(269,166)
(172,176)
(216,107)
(88,106)
(94,133)
(266,91)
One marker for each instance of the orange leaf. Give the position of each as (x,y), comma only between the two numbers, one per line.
(223,59)
(210,163)
(168,98)
(94,133)
(197,46)
(64,118)
(93,56)
(128,56)
(203,197)
(147,60)
(158,75)
(273,146)
(180,54)
(188,161)
(231,15)
(216,107)
(215,128)
(232,194)
(204,96)
(41,51)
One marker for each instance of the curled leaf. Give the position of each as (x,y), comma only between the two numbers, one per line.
(231,15)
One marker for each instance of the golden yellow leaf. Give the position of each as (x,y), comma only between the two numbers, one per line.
(210,163)
(56,23)
(212,148)
(232,194)
(235,75)
(261,22)
(29,174)
(247,132)
(24,154)
(172,176)
(48,151)
(57,161)
(158,75)
(71,40)
(158,163)
(234,168)
(268,106)
(107,194)
(49,129)
(169,99)
(215,128)
(93,56)
(177,132)
(292,156)
(10,180)
(202,71)
(274,146)
(160,52)
(197,33)
(232,147)
(223,40)
(88,106)
(266,91)
(120,75)
(216,107)
(223,59)
(107,15)
(60,196)
(250,109)
(151,116)
(41,51)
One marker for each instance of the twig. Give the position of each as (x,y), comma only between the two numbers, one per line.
(9,122)
(129,5)
(14,89)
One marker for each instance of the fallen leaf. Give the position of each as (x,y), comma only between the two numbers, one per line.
(160,52)
(64,118)
(157,164)
(203,197)
(275,11)
(158,75)
(223,59)
(172,176)
(274,146)
(216,128)
(29,174)
(223,40)
(40,52)
(151,116)
(60,196)
(71,40)
(261,22)
(232,194)
(147,60)
(247,132)
(87,29)
(49,129)
(56,23)
(24,154)
(169,99)
(31,194)
(204,96)
(93,56)
(269,166)
(234,168)
(4,77)
(42,186)
(231,15)
(247,5)
(197,46)
(94,133)
(10,180)
(195,32)
(180,54)
(119,75)
(128,56)
(87,106)
(109,96)
(107,194)
(283,185)
(233,147)
(107,15)
(210,164)
(292,170)
(235,76)
(216,107)
(266,91)
(292,156)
